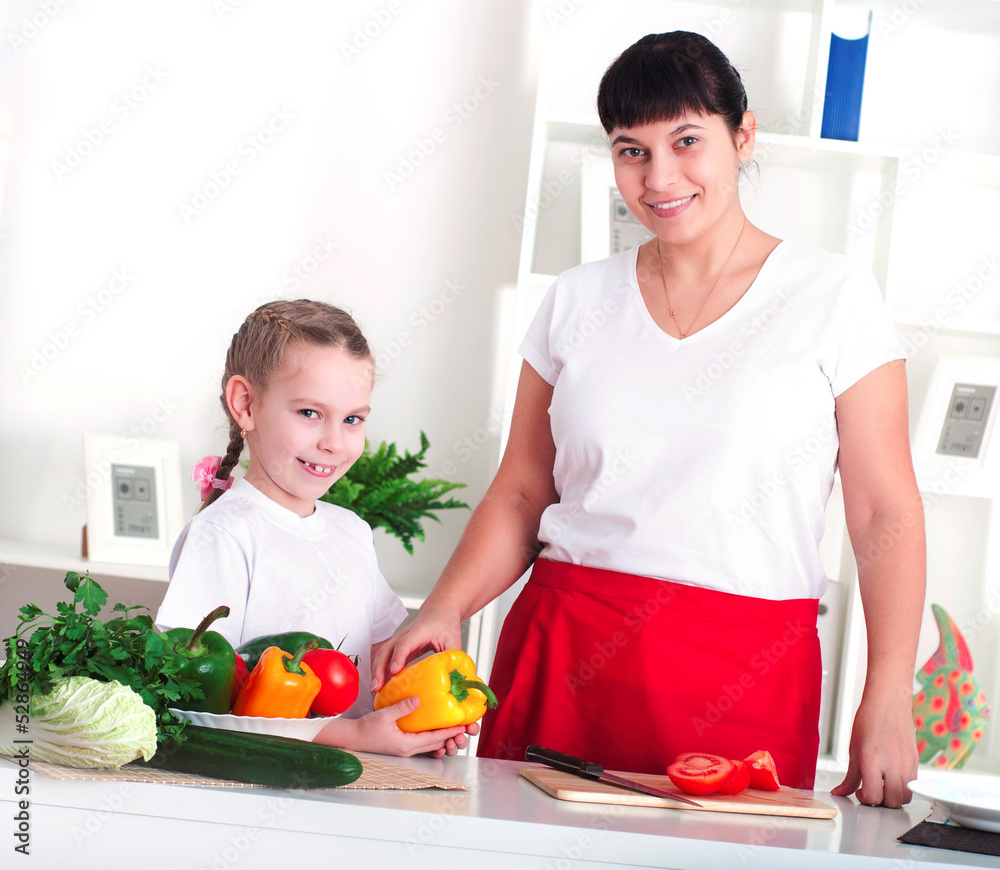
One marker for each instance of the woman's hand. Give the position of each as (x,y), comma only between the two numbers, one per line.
(885,519)
(883,753)
(429,631)
(378,732)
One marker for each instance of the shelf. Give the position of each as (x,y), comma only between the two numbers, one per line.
(585,129)
(581,129)
(541,279)
(955,324)
(61,557)
(960,15)
(936,489)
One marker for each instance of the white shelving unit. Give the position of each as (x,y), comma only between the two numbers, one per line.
(916,200)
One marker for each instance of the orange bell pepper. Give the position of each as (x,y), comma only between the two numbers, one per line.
(450,692)
(279,686)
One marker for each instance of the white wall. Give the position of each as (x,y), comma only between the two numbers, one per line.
(379,148)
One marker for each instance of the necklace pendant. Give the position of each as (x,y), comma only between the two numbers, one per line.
(683,335)
(673,313)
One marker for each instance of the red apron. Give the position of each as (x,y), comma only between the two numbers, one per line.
(629,671)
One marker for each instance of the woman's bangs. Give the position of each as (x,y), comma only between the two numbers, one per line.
(649,90)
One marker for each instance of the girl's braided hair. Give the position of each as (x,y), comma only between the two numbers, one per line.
(258,350)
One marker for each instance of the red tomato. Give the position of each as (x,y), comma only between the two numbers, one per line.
(241,675)
(738,780)
(699,772)
(763,773)
(340,680)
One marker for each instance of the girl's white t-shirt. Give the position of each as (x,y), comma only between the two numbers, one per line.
(707,460)
(279,572)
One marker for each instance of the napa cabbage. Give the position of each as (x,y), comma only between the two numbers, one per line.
(82,722)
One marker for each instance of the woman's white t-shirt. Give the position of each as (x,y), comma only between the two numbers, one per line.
(277,571)
(707,460)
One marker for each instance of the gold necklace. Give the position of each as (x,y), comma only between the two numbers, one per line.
(670,308)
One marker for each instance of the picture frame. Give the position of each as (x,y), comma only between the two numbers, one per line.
(607,226)
(952,451)
(134,512)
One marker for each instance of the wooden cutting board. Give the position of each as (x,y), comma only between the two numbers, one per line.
(570,787)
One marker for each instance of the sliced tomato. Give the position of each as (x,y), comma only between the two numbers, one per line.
(763,773)
(699,772)
(738,780)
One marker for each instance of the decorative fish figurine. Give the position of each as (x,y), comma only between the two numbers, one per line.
(950,710)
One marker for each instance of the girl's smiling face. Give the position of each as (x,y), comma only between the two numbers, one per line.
(680,177)
(308,427)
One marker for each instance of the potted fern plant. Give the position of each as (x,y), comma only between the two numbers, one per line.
(380,488)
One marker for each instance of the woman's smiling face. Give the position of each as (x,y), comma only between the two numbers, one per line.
(680,177)
(308,427)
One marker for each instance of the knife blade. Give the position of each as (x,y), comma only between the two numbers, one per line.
(592,770)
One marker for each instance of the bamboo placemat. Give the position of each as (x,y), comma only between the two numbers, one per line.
(377,774)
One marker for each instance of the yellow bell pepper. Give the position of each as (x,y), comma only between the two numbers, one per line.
(450,693)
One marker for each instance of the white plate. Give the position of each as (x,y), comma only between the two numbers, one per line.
(970,800)
(300,729)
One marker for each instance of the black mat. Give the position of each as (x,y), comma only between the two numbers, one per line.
(955,837)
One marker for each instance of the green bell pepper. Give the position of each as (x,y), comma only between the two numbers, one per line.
(251,651)
(210,662)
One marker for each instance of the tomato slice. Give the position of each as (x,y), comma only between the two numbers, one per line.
(699,772)
(738,780)
(763,773)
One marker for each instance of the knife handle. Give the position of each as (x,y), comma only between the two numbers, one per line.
(561,761)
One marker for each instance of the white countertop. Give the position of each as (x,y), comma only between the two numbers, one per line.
(503,822)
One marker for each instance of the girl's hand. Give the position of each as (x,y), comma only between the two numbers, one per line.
(378,732)
(427,632)
(452,746)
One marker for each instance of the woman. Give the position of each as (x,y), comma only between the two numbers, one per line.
(670,469)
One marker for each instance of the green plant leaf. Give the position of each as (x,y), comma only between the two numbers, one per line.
(92,596)
(381,489)
(30,611)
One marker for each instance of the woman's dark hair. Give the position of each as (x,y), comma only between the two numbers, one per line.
(664,75)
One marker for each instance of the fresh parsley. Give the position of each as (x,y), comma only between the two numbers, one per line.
(74,642)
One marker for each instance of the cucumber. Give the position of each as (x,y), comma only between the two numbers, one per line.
(261,759)
(289,641)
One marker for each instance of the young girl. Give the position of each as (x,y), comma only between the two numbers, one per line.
(673,603)
(296,388)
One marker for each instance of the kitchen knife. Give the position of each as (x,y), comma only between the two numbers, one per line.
(592,770)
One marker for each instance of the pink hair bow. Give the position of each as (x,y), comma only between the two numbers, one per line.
(203,474)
